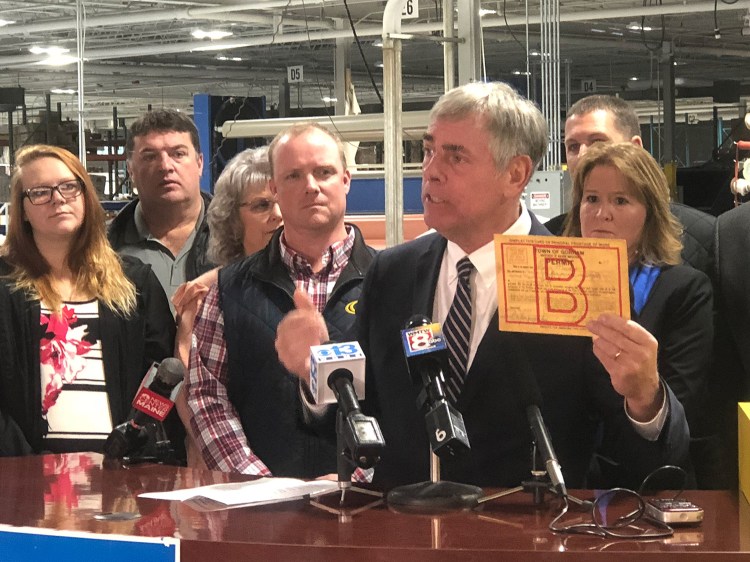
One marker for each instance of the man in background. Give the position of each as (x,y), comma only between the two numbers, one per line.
(601,118)
(166,225)
(247,412)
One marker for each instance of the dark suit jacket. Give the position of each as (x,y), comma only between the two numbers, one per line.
(730,382)
(732,278)
(580,405)
(679,314)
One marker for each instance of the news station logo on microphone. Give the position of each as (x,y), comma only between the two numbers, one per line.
(151,403)
(324,359)
(423,339)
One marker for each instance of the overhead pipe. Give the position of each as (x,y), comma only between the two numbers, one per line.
(393,148)
(152,16)
(363,31)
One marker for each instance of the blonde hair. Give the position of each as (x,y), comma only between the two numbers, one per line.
(660,239)
(95,265)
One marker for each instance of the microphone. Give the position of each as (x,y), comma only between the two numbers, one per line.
(531,399)
(325,359)
(426,357)
(151,405)
(363,440)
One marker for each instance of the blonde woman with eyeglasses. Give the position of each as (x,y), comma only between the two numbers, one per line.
(79,327)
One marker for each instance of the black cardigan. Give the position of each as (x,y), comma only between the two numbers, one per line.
(129,346)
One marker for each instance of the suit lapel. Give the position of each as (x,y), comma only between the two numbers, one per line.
(426,277)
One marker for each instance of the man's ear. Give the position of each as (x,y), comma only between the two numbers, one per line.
(637,140)
(347,180)
(519,170)
(199,160)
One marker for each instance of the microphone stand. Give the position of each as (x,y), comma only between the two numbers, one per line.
(435,495)
(539,484)
(345,467)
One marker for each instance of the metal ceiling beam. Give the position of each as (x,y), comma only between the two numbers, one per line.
(362,31)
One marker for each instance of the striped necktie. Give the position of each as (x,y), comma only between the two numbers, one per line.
(457,331)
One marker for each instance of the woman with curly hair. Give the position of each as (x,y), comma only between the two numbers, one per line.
(79,327)
(242,217)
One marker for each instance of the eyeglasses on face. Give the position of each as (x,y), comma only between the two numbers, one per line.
(259,206)
(42,194)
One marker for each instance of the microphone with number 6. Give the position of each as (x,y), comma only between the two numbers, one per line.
(337,375)
(426,357)
(151,405)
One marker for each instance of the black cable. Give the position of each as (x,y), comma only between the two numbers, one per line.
(362,54)
(657,47)
(224,139)
(507,25)
(317,83)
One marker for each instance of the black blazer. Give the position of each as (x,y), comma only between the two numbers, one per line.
(580,405)
(129,346)
(732,282)
(679,314)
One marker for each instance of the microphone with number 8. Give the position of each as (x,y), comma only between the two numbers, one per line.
(151,405)
(426,357)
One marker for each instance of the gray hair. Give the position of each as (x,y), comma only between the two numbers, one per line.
(247,171)
(514,123)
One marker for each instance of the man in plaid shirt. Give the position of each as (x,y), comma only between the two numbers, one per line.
(246,408)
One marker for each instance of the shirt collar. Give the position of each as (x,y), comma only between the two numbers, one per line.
(483,258)
(335,257)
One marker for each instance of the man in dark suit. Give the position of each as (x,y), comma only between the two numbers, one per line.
(481,147)
(731,383)
(601,118)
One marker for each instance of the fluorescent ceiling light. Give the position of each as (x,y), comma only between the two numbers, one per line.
(521,73)
(486,12)
(633,78)
(377,44)
(213,35)
(63,91)
(51,51)
(635,26)
(379,65)
(6,22)
(329,99)
(234,59)
(58,60)
(210,48)
(534,53)
(595,30)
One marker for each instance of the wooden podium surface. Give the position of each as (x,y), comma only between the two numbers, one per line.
(71,492)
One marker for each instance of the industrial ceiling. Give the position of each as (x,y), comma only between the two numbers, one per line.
(139,52)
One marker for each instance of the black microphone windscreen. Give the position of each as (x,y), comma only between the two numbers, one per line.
(417,320)
(170,371)
(337,374)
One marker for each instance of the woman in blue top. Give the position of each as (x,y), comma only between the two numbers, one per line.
(619,191)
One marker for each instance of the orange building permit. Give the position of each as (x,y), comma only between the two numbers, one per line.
(555,285)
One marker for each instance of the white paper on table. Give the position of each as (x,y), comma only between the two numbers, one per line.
(244,494)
